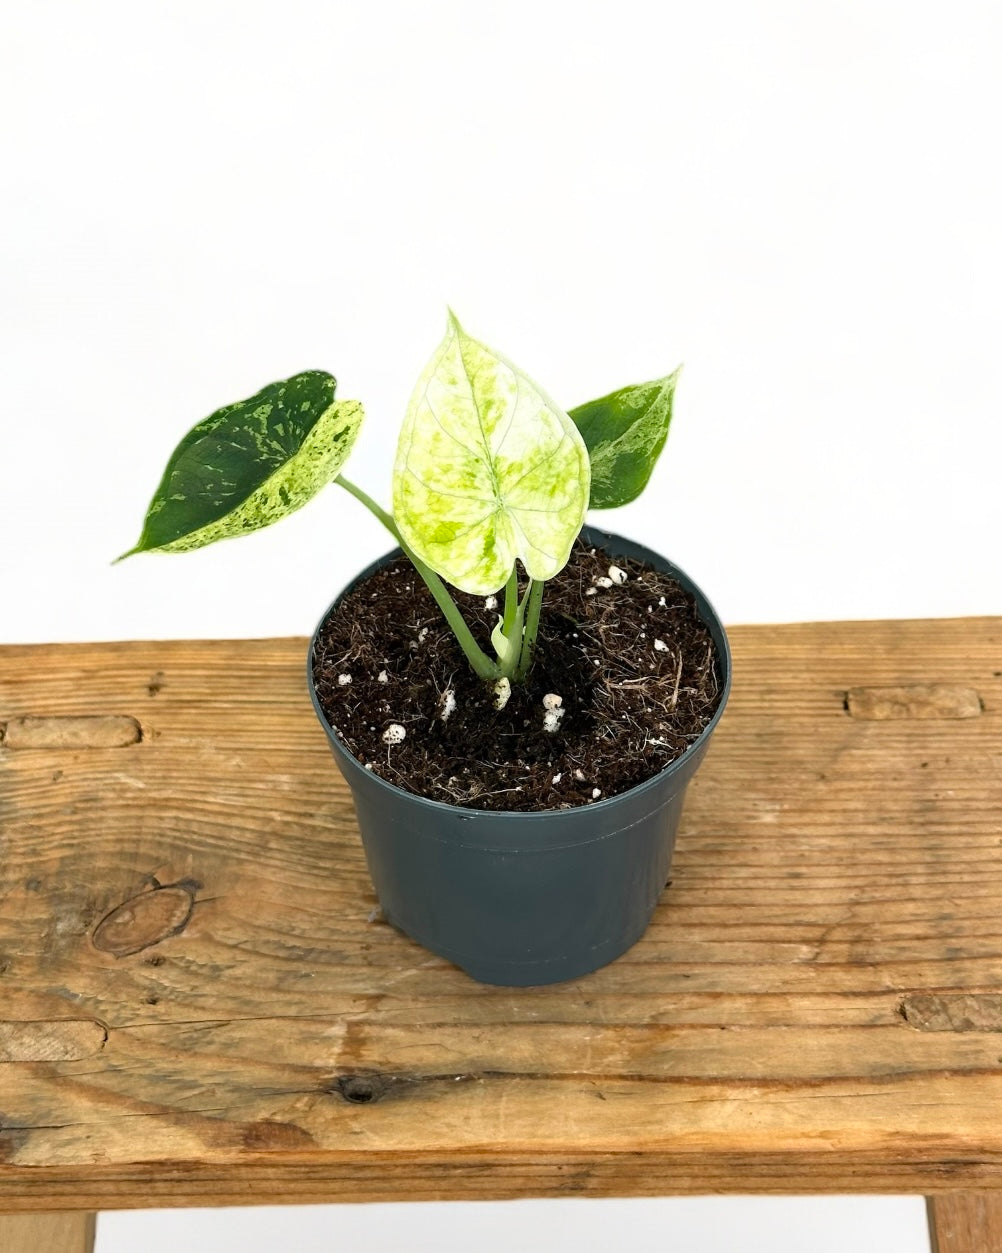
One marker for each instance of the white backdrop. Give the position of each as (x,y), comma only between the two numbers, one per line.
(799,202)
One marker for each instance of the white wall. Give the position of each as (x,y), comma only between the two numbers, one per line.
(801,202)
(723,1224)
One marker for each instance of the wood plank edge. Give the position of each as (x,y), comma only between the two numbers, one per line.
(260,1180)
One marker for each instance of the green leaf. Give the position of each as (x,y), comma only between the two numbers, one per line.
(488,470)
(625,433)
(251,463)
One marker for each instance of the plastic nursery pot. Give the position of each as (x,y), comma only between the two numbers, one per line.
(523,899)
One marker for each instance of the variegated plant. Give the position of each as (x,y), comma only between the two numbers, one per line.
(490,476)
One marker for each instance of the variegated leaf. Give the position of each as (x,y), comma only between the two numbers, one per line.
(625,433)
(251,463)
(488,470)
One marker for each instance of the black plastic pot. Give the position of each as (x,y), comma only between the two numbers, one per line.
(522,899)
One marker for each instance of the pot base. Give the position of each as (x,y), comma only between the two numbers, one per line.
(535,974)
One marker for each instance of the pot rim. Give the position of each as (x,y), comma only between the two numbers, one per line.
(615,545)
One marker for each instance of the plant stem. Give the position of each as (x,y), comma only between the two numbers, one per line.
(478,659)
(535,600)
(483,666)
(514,609)
(510,602)
(370,504)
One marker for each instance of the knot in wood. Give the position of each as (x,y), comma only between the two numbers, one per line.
(145,920)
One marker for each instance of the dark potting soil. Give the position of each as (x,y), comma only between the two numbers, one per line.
(634,667)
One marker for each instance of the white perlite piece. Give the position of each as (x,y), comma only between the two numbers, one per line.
(579,775)
(602,581)
(382,677)
(343,680)
(661,646)
(502,693)
(591,591)
(448,703)
(491,602)
(617,575)
(596,792)
(394,734)
(557,777)
(422,635)
(553,704)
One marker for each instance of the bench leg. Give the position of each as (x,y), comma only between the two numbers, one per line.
(965,1222)
(47,1233)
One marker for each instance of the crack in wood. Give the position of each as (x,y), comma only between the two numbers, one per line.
(364,1087)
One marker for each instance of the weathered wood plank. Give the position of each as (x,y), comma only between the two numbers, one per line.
(967,1222)
(200,1004)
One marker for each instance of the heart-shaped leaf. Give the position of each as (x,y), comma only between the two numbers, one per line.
(625,433)
(488,470)
(251,463)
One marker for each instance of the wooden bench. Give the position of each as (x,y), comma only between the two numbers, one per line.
(199,1003)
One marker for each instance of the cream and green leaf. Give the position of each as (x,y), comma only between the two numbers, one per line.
(488,470)
(251,463)
(625,433)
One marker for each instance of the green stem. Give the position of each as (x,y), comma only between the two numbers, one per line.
(535,599)
(508,667)
(475,655)
(478,659)
(510,602)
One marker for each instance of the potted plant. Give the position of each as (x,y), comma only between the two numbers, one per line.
(516,700)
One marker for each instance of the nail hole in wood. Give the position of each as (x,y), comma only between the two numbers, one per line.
(359,1089)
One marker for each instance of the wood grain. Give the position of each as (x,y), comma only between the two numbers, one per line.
(87,731)
(967,1222)
(914,700)
(47,1233)
(201,1004)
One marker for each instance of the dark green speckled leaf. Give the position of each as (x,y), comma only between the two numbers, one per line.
(251,463)
(624,433)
